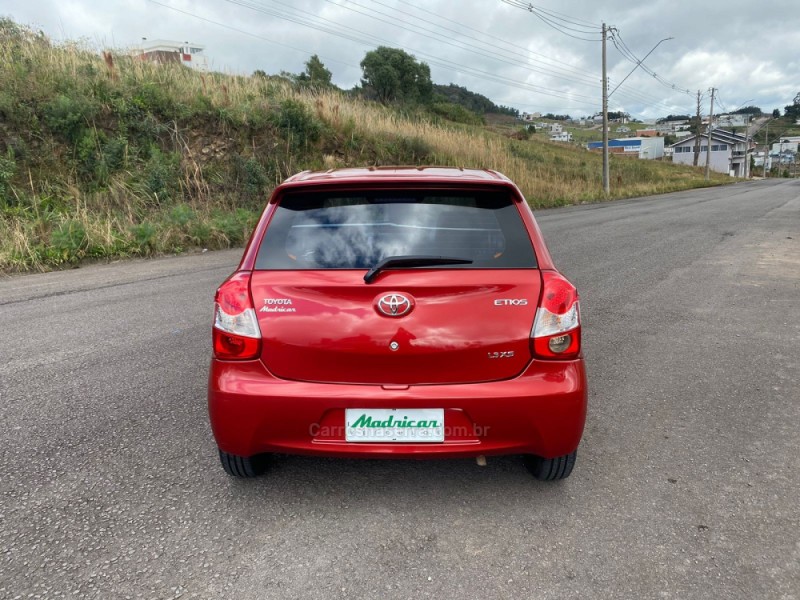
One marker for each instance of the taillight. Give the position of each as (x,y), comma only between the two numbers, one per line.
(556,330)
(236,332)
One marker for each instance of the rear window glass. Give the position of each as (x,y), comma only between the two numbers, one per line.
(358,230)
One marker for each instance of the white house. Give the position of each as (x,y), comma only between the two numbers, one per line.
(786,144)
(166,51)
(729,152)
(564,136)
(737,120)
(556,128)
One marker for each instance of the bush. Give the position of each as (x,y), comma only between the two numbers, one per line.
(181,215)
(69,241)
(296,120)
(251,176)
(8,167)
(456,113)
(143,238)
(67,116)
(412,150)
(233,227)
(160,177)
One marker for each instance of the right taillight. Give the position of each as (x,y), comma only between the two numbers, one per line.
(556,330)
(236,332)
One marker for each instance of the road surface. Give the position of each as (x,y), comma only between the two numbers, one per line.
(686,485)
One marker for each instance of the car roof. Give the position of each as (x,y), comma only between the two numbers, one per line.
(420,174)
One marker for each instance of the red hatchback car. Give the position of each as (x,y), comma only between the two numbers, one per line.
(398,313)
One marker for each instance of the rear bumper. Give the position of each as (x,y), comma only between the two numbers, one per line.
(540,412)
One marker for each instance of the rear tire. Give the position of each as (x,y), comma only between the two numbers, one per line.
(550,469)
(242,466)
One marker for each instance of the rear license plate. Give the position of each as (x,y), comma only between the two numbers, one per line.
(394,425)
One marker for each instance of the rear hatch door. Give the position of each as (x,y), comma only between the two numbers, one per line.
(461,326)
(454,323)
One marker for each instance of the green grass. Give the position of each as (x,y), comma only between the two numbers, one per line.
(103,160)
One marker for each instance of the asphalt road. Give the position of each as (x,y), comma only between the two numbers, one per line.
(686,485)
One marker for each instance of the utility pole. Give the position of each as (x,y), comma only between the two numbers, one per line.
(697,134)
(747,157)
(606,176)
(708,147)
(766,150)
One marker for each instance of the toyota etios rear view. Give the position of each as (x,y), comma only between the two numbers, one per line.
(397,313)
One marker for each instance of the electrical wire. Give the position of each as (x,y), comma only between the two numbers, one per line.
(553,22)
(578,75)
(492,54)
(623,49)
(562,64)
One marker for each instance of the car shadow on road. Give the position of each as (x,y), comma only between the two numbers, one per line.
(298,483)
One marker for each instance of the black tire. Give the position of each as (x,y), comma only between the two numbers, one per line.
(550,469)
(242,466)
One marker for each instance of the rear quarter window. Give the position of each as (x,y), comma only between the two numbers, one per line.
(359,229)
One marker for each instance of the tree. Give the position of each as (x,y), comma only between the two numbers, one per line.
(793,110)
(776,114)
(315,74)
(748,110)
(392,75)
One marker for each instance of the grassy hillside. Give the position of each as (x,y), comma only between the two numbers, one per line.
(110,157)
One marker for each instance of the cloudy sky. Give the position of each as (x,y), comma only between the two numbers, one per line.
(546,58)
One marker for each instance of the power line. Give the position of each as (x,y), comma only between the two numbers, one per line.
(563,64)
(539,12)
(492,53)
(579,75)
(623,49)
(553,22)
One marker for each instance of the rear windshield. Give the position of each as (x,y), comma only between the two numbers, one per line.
(359,229)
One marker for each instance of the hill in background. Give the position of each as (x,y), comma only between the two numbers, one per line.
(110,157)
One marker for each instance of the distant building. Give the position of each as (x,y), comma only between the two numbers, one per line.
(531,116)
(729,152)
(636,147)
(564,136)
(786,144)
(556,128)
(623,129)
(166,52)
(670,126)
(737,120)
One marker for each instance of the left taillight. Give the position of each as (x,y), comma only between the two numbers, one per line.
(556,332)
(236,332)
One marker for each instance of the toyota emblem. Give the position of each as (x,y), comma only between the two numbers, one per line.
(394,305)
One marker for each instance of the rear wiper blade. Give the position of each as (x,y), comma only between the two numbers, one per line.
(395,262)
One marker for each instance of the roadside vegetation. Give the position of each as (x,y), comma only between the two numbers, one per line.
(103,156)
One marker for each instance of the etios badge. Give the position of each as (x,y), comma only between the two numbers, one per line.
(394,305)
